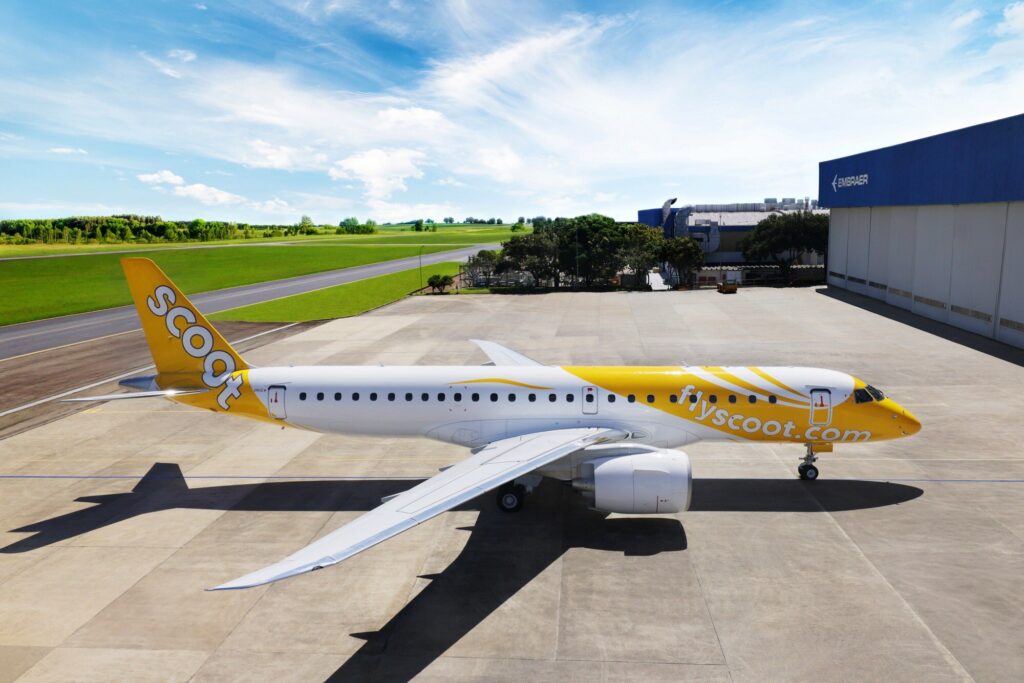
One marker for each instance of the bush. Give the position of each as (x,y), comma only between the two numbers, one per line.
(439,283)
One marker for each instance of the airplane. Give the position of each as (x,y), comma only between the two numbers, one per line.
(611,433)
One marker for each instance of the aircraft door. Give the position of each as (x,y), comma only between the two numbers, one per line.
(275,402)
(590,400)
(821,406)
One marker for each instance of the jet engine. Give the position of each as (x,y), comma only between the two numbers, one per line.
(639,480)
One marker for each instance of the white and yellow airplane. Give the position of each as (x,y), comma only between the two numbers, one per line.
(608,431)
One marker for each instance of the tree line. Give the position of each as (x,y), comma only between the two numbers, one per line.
(136,228)
(589,251)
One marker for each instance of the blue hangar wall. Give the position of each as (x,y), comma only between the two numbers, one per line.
(935,226)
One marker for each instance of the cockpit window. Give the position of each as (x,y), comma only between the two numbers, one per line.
(875,393)
(861,396)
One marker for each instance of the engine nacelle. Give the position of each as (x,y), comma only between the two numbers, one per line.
(651,481)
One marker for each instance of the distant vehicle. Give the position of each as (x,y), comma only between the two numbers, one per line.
(607,431)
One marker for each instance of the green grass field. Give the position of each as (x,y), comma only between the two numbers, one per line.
(340,301)
(453,234)
(42,288)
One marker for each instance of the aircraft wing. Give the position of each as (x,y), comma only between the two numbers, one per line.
(495,464)
(502,355)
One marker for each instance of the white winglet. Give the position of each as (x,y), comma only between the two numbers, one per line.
(501,355)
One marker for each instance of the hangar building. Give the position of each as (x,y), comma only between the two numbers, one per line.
(935,226)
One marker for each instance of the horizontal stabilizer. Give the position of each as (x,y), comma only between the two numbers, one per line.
(135,394)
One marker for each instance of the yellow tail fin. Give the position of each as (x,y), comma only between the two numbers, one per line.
(187,350)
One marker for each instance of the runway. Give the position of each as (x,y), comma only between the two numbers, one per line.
(38,335)
(902,563)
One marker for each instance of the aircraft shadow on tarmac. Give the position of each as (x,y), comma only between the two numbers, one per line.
(490,569)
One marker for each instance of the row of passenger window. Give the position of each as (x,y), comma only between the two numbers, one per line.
(441,396)
(569,398)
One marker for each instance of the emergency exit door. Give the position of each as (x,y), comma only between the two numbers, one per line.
(821,406)
(275,402)
(590,400)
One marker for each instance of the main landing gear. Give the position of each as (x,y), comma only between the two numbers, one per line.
(807,470)
(511,495)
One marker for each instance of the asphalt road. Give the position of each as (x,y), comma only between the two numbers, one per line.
(38,335)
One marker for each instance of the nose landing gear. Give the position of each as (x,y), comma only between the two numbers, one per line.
(807,470)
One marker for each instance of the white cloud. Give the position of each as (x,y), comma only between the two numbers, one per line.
(966,19)
(9,136)
(411,117)
(164,177)
(382,171)
(182,55)
(207,195)
(263,154)
(67,150)
(391,212)
(274,205)
(1013,20)
(160,66)
(200,6)
(450,182)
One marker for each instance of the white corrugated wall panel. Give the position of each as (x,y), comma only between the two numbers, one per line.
(878,251)
(978,231)
(859,229)
(1010,326)
(838,220)
(933,258)
(900,278)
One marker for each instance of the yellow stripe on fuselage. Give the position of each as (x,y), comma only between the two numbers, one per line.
(499,380)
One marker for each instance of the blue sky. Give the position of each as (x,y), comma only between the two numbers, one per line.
(264,110)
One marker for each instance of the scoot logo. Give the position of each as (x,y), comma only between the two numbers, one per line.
(704,410)
(197,341)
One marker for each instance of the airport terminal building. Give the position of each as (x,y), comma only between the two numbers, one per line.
(935,226)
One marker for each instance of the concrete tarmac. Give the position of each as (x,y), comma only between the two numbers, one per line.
(50,333)
(902,563)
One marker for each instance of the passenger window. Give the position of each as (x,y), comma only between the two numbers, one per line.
(373,396)
(355,396)
(861,396)
(475,397)
(673,398)
(531,398)
(494,398)
(408,396)
(320,396)
(424,396)
(772,399)
(457,397)
(631,398)
(552,398)
(590,398)
(713,398)
(732,398)
(440,396)
(570,398)
(693,398)
(512,398)
(611,398)
(650,398)
(391,396)
(752,398)
(302,396)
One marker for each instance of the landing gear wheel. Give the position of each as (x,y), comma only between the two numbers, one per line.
(510,497)
(808,472)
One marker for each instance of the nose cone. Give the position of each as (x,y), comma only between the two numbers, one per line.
(909,424)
